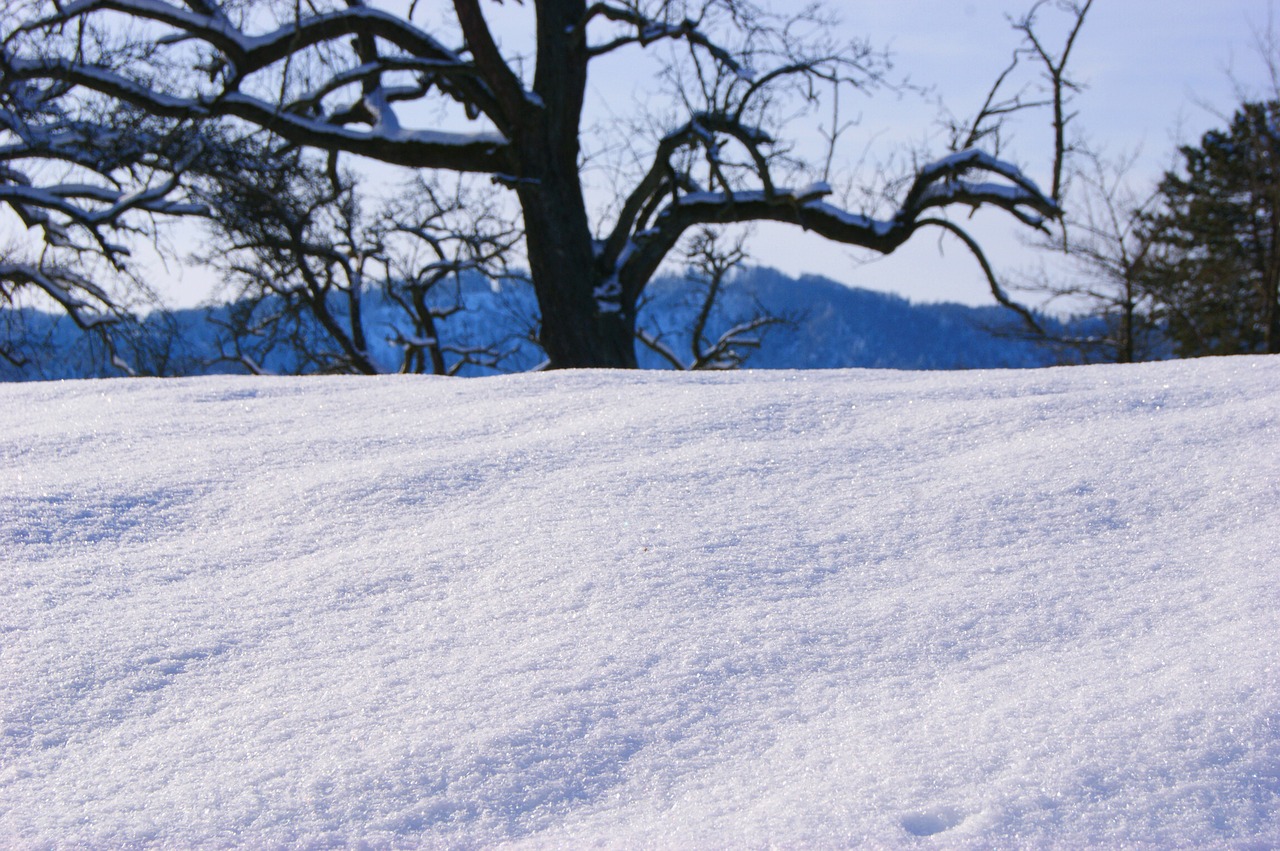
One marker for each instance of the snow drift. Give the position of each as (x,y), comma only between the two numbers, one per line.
(819,609)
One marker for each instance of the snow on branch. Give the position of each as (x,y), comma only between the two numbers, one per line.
(648,30)
(476,152)
(298,118)
(103,183)
(65,287)
(943,182)
(247,53)
(664,178)
(89,188)
(939,184)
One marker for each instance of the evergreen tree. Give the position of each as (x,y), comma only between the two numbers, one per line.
(1215,263)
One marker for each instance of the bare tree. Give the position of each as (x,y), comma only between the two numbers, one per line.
(341,76)
(89,181)
(1101,236)
(1108,248)
(307,262)
(295,247)
(709,262)
(437,237)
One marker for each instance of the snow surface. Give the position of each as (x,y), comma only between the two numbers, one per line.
(1032,608)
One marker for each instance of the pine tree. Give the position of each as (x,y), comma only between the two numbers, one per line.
(1215,263)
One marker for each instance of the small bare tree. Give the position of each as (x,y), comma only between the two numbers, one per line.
(1053,88)
(709,262)
(438,238)
(1100,236)
(295,248)
(306,260)
(1107,248)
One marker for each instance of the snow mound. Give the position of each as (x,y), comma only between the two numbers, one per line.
(1032,608)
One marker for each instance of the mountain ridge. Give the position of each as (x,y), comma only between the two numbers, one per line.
(830,325)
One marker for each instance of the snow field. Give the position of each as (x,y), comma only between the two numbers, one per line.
(1032,608)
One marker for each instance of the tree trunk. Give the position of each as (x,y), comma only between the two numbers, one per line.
(1271,282)
(1271,316)
(579,329)
(1126,334)
(575,332)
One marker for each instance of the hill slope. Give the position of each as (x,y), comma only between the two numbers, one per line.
(834,326)
(812,609)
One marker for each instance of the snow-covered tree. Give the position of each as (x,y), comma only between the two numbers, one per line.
(438,90)
(88,177)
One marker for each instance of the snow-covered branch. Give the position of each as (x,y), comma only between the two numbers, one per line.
(244,53)
(480,151)
(85,302)
(394,61)
(665,177)
(646,30)
(940,184)
(89,191)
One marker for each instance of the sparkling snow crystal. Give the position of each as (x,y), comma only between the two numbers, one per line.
(1035,608)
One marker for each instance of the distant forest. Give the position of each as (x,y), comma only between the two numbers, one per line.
(827,325)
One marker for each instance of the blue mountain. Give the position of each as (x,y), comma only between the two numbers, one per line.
(829,325)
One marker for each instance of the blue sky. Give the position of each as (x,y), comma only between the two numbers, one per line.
(1155,71)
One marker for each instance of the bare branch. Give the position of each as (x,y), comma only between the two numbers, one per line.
(940,184)
(1060,86)
(649,30)
(997,292)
